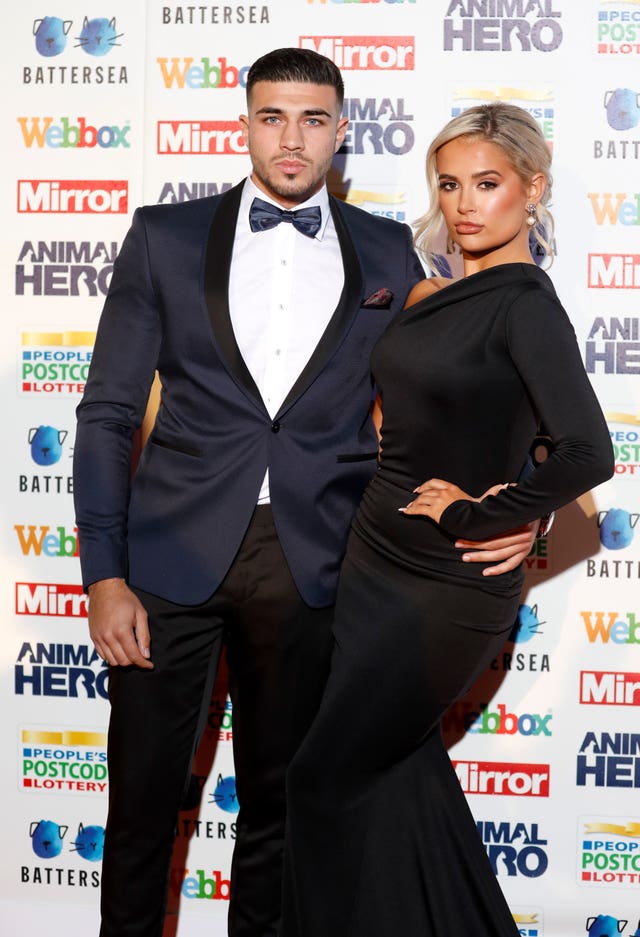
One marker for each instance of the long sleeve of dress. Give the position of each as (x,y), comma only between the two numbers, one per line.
(542,345)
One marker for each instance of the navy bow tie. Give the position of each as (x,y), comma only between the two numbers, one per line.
(263,215)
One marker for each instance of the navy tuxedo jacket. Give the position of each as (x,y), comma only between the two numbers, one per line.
(175,528)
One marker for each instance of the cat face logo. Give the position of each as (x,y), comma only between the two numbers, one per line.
(623,108)
(51,35)
(46,838)
(89,843)
(225,796)
(606,926)
(98,36)
(527,624)
(46,444)
(616,528)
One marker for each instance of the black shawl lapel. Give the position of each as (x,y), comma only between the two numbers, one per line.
(216,288)
(347,307)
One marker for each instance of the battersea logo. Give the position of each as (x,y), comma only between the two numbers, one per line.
(68,760)
(200,138)
(502,26)
(45,444)
(65,268)
(54,362)
(514,848)
(613,346)
(615,208)
(51,599)
(527,627)
(503,778)
(609,852)
(224,795)
(73,197)
(622,110)
(373,53)
(377,126)
(479,719)
(51,839)
(182,73)
(173,192)
(62,670)
(613,271)
(618,29)
(608,759)
(43,132)
(219,15)
(609,688)
(603,925)
(617,528)
(73,41)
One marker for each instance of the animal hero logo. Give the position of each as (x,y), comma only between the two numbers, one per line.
(65,268)
(502,26)
(618,28)
(608,853)
(514,848)
(613,346)
(54,362)
(377,126)
(95,37)
(67,761)
(608,759)
(62,670)
(370,53)
(174,192)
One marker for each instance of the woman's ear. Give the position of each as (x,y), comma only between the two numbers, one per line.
(536,187)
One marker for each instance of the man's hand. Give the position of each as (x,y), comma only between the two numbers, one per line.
(118,624)
(508,551)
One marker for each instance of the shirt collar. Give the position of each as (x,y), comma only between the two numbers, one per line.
(321,198)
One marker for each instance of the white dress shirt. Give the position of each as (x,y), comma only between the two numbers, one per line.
(283,289)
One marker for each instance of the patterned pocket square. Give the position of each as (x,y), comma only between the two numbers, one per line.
(381,299)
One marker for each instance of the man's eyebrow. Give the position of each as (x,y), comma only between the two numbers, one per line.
(308,112)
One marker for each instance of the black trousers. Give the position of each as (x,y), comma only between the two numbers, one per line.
(380,840)
(278,651)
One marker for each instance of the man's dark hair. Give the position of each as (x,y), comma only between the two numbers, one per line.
(296,65)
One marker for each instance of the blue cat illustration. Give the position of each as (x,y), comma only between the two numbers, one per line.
(616,528)
(51,35)
(89,843)
(527,624)
(98,36)
(623,108)
(46,838)
(605,926)
(225,796)
(46,444)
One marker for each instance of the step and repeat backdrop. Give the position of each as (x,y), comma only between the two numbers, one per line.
(114,104)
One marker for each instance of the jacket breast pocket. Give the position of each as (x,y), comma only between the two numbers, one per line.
(357,457)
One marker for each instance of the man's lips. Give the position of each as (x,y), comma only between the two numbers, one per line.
(290,166)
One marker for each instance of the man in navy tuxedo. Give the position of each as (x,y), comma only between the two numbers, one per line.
(259,309)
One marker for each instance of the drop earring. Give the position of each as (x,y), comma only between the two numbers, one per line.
(532,217)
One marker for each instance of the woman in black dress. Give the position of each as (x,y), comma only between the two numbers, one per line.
(380,839)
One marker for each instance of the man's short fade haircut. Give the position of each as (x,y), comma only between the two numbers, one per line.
(293,64)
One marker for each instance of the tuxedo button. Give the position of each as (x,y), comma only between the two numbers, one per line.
(275,427)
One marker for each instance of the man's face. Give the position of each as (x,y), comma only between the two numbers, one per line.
(292,131)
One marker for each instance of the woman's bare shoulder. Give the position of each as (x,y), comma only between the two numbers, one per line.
(425,288)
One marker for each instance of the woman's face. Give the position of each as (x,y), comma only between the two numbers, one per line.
(484,201)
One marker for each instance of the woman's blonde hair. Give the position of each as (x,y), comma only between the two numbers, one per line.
(518,135)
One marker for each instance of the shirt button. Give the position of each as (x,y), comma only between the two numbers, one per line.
(275,427)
